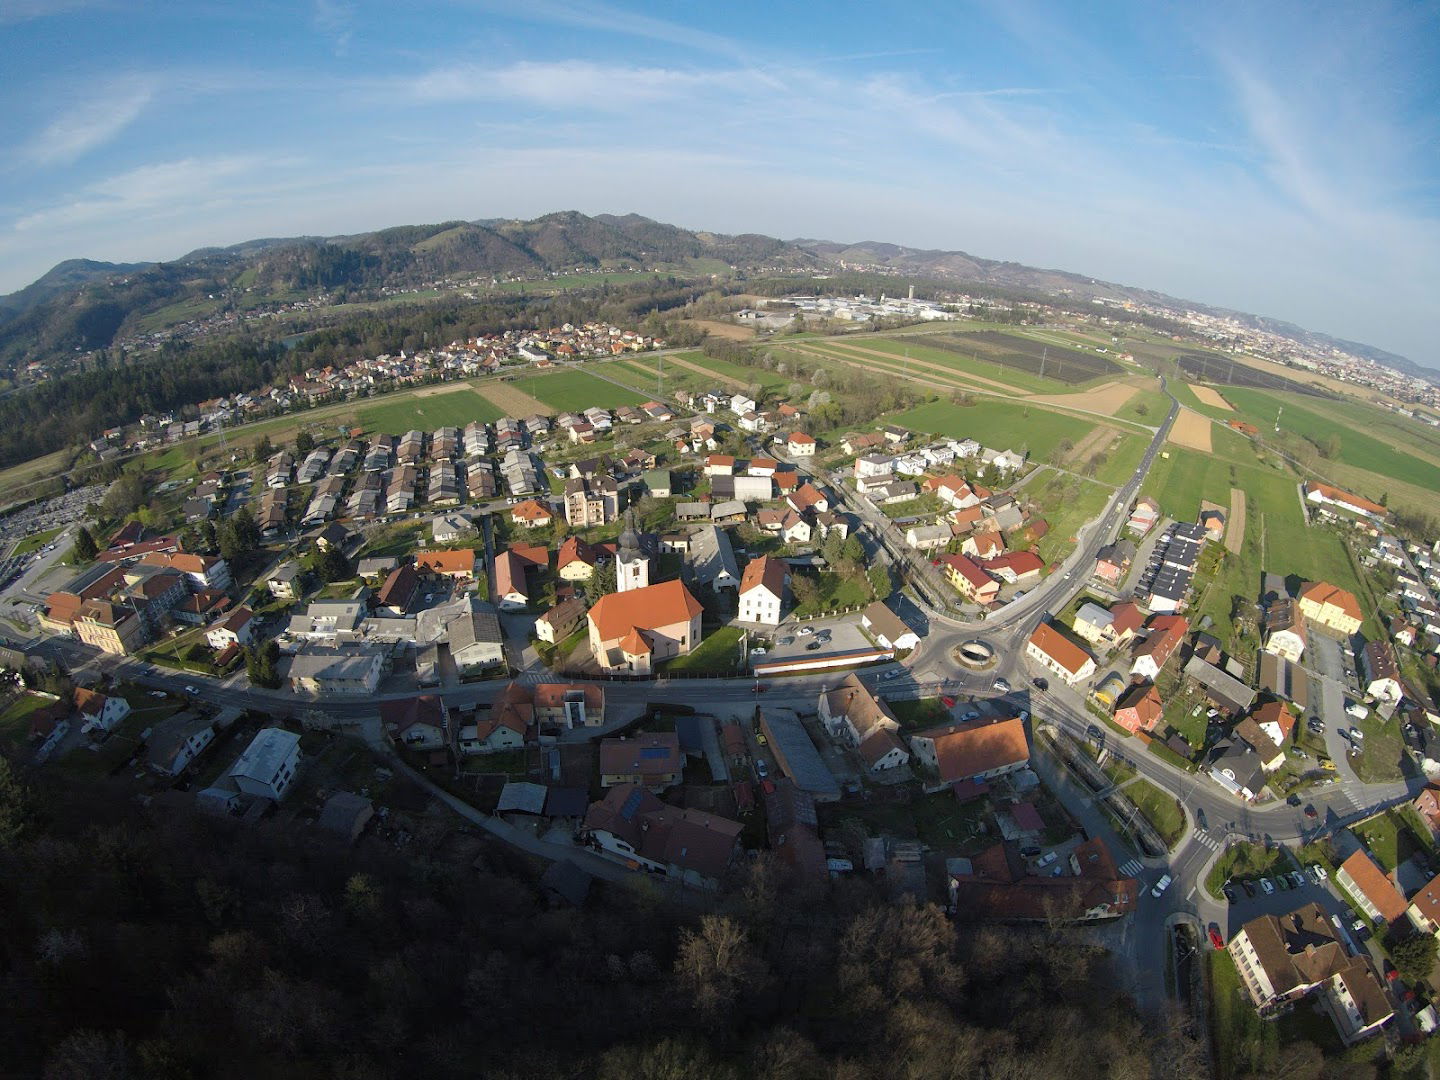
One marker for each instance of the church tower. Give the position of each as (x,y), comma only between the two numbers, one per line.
(632,565)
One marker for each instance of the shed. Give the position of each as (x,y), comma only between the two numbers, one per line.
(566,802)
(565,882)
(346,815)
(522,798)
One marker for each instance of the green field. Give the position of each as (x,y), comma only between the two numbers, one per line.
(454,409)
(747,375)
(575,391)
(36,541)
(1318,420)
(959,363)
(1067,503)
(1000,425)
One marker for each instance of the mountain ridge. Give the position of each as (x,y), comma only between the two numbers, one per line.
(84,304)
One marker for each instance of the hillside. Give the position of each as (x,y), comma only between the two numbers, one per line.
(82,305)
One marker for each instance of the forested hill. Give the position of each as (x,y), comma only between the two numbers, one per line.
(82,306)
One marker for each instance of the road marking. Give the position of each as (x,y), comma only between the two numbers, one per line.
(1191,894)
(1132,868)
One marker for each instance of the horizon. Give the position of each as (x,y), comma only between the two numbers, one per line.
(1156,150)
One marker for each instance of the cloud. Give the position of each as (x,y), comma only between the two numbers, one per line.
(565,84)
(16,11)
(585,15)
(172,188)
(333,19)
(91,124)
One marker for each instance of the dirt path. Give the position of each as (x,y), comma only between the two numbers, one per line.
(514,403)
(1235,527)
(899,363)
(690,365)
(1192,430)
(1208,395)
(443,388)
(1091,444)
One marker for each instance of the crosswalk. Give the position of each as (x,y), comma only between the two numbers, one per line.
(1132,868)
(1204,839)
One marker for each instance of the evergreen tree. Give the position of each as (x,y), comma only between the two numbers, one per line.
(85,547)
(304,443)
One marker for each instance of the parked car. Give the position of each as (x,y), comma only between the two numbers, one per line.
(762,770)
(757,652)
(812,646)
(1047,859)
(1216,939)
(1297,879)
(805,631)
(787,641)
(894,674)
(1030,852)
(1231,893)
(1293,800)
(1040,684)
(1356,735)
(191,690)
(1249,888)
(1002,685)
(1311,812)
(1282,881)
(1266,886)
(1319,871)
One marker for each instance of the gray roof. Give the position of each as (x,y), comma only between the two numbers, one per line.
(1220,686)
(166,742)
(522,797)
(729,508)
(711,556)
(331,664)
(797,756)
(266,753)
(341,811)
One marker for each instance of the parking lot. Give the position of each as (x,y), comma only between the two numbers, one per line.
(1278,902)
(51,514)
(809,640)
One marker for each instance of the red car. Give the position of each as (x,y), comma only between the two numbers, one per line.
(948,702)
(1215,937)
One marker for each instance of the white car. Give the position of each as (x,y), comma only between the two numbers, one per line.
(1319,872)
(1267,886)
(805,631)
(1161,885)
(192,690)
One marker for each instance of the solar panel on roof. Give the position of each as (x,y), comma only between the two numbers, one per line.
(654,752)
(632,804)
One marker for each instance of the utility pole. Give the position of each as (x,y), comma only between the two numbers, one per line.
(1044,355)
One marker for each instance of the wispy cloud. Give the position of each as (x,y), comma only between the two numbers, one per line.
(570,84)
(335,19)
(92,123)
(171,188)
(16,11)
(606,18)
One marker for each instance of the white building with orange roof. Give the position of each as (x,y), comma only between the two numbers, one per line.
(1330,606)
(762,591)
(800,444)
(635,630)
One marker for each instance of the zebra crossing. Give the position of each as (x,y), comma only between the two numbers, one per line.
(1133,868)
(1204,839)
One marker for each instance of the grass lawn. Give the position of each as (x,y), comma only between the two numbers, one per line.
(1066,502)
(574,391)
(938,820)
(920,506)
(835,592)
(113,752)
(455,409)
(15,720)
(767,380)
(1382,759)
(921,713)
(1246,861)
(1001,425)
(1122,458)
(1315,419)
(36,541)
(1160,809)
(1389,838)
(1146,407)
(718,654)
(1246,1045)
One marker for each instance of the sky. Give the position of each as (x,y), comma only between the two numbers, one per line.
(1277,158)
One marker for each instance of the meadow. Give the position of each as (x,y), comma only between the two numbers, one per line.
(1000,425)
(916,356)
(575,391)
(1318,420)
(1028,355)
(407,411)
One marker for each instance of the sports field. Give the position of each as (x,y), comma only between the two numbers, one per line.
(427,413)
(1000,425)
(574,391)
(1318,420)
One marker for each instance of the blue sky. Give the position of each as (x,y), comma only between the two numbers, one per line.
(1282,159)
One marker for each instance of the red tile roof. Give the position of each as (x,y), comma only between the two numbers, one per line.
(654,606)
(1059,648)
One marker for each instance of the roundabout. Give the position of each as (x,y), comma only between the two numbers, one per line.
(976,655)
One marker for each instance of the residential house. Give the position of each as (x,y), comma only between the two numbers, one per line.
(1144,516)
(1331,606)
(1224,690)
(634,630)
(1276,721)
(1284,629)
(1424,909)
(1139,708)
(1318,494)
(1269,754)
(324,671)
(531,514)
(1427,805)
(99,712)
(179,742)
(1113,561)
(1015,567)
(399,590)
(418,722)
(762,591)
(570,705)
(1284,958)
(110,627)
(237,629)
(982,545)
(268,766)
(800,444)
(969,580)
(928,537)
(658,482)
(691,846)
(651,760)
(1369,887)
(577,559)
(1055,652)
(719,465)
(998,885)
(1093,623)
(1236,767)
(284,581)
(711,559)
(591,503)
(886,628)
(507,727)
(560,621)
(1381,672)
(978,751)
(1165,635)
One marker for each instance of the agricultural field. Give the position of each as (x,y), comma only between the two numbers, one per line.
(1316,420)
(917,356)
(455,409)
(1030,356)
(1231,372)
(745,376)
(574,391)
(999,424)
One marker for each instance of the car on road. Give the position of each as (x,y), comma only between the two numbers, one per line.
(1266,886)
(762,770)
(1040,684)
(1327,765)
(1201,822)
(1217,940)
(805,631)
(1311,812)
(1161,885)
(192,690)
(1002,685)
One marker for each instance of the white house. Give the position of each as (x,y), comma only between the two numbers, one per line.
(238,628)
(762,591)
(886,628)
(268,766)
(172,750)
(801,444)
(100,712)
